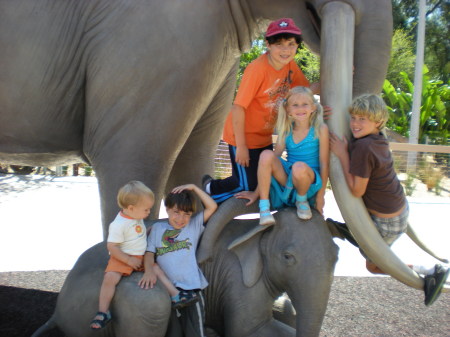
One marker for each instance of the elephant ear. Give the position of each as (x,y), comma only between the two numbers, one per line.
(247,248)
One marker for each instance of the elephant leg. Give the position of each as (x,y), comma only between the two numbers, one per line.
(112,176)
(122,159)
(196,157)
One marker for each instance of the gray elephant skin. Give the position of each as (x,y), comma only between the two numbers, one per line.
(295,256)
(140,89)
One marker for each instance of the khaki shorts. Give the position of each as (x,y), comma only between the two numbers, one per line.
(120,267)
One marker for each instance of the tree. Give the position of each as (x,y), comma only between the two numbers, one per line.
(437,44)
(402,59)
(309,63)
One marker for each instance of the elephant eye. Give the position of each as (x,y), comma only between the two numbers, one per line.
(288,258)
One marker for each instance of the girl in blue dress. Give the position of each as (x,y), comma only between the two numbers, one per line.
(301,178)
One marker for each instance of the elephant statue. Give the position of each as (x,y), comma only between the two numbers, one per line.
(94,80)
(295,256)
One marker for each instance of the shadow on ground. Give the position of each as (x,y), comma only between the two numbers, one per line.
(23,311)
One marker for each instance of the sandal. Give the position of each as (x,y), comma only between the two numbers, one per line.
(187,297)
(303,210)
(105,318)
(266,218)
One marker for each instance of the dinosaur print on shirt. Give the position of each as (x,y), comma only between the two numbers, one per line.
(170,242)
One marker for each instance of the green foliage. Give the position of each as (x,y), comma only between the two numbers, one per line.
(434,112)
(258,48)
(402,59)
(309,63)
(437,30)
(409,184)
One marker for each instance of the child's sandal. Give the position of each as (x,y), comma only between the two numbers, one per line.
(303,210)
(105,318)
(266,218)
(187,297)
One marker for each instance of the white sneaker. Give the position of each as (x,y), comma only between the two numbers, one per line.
(303,210)
(266,218)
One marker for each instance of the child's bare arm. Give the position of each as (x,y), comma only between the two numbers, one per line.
(279,147)
(238,120)
(324,158)
(149,277)
(356,184)
(117,253)
(208,203)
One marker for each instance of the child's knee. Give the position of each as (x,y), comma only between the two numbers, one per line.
(266,157)
(300,169)
(373,268)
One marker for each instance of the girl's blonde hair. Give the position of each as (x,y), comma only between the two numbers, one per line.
(132,192)
(285,122)
(371,106)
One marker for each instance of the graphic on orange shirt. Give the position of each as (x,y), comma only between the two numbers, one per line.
(276,94)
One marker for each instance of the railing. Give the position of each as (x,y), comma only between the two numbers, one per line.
(432,166)
(429,157)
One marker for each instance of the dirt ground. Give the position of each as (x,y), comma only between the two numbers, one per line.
(358,306)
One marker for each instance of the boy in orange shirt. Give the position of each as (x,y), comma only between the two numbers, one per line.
(250,124)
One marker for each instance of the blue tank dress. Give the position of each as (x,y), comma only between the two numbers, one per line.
(306,151)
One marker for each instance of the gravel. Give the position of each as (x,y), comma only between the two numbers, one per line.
(358,306)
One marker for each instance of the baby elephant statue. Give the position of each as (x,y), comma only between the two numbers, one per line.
(294,256)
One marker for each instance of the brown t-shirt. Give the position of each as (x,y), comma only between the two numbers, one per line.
(371,158)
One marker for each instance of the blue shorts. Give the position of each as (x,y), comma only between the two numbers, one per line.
(285,196)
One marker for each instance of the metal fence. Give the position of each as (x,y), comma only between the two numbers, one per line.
(431,165)
(427,158)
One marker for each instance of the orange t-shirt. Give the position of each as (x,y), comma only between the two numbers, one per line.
(260,93)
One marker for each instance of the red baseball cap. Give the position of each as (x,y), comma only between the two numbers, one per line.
(284,25)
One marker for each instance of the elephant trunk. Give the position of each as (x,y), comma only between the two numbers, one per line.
(311,300)
(336,92)
(310,314)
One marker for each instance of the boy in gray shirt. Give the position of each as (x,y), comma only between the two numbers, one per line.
(174,243)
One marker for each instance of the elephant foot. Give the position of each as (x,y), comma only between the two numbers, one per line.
(211,332)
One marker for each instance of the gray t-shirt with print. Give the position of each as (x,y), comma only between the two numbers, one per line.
(175,252)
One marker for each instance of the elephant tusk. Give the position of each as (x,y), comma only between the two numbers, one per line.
(337,46)
(412,234)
